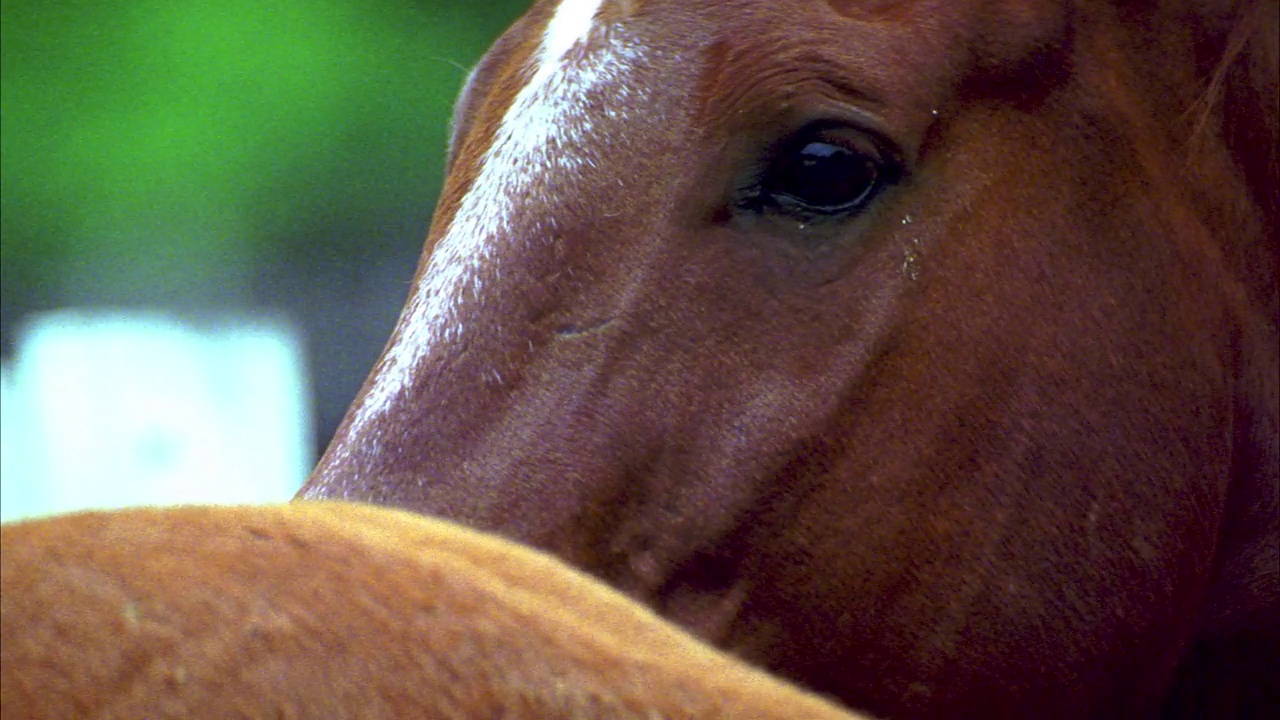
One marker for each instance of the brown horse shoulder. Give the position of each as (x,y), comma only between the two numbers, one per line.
(337,610)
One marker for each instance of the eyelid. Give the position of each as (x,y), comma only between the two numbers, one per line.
(852,138)
(477,85)
(835,132)
(461,115)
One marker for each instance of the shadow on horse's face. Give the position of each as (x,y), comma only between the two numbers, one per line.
(912,351)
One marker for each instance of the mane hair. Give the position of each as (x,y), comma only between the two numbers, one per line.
(1243,95)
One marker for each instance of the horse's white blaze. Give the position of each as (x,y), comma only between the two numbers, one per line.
(540,137)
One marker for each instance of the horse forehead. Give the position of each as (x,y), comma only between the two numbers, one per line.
(545,129)
(543,95)
(544,133)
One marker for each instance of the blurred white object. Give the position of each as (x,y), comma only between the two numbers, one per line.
(119,409)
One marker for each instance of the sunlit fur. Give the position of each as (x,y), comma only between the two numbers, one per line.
(331,610)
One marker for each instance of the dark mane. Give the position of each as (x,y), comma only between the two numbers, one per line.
(1243,92)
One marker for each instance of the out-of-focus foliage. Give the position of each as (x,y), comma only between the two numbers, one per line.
(150,146)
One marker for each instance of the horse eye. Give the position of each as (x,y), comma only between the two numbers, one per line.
(819,178)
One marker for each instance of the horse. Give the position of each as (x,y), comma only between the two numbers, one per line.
(290,611)
(923,353)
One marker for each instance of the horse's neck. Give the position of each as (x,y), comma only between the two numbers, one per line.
(1245,87)
(1235,152)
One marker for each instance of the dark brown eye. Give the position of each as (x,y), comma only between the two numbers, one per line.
(815,177)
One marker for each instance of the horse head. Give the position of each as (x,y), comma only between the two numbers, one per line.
(923,352)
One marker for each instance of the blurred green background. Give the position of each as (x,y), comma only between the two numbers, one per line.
(265,157)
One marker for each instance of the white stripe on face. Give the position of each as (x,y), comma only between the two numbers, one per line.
(540,136)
